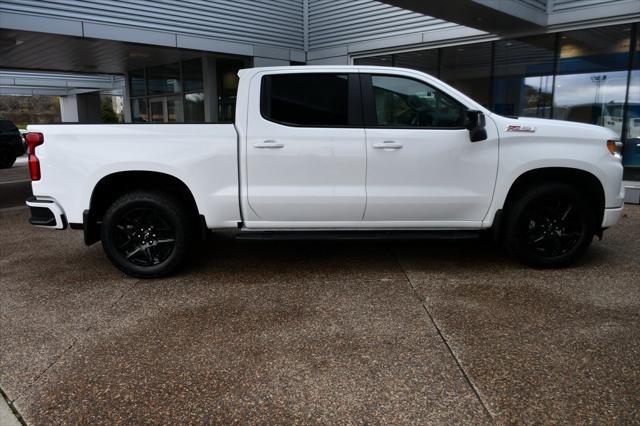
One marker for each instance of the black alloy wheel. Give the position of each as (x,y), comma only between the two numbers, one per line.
(147,234)
(551,225)
(144,237)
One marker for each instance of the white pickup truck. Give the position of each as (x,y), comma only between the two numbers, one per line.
(326,150)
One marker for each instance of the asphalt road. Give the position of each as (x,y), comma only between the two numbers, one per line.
(15,185)
(333,332)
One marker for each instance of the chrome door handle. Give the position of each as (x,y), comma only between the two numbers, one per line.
(268,144)
(387,145)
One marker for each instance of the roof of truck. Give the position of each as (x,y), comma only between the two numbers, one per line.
(350,68)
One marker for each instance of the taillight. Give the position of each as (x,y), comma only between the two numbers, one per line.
(33,140)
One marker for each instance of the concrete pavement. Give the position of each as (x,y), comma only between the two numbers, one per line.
(308,332)
(15,184)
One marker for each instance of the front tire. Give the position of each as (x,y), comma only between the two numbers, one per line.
(551,225)
(147,234)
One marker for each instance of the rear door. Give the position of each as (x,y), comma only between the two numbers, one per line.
(305,152)
(423,168)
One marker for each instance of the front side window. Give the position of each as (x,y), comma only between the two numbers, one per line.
(404,102)
(306,99)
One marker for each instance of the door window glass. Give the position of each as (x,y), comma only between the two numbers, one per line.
(306,99)
(404,102)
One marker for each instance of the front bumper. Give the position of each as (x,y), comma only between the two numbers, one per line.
(46,213)
(611,216)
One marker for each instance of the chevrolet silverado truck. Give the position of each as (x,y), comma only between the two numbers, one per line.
(323,151)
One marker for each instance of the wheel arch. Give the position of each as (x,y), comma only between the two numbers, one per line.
(114,185)
(583,180)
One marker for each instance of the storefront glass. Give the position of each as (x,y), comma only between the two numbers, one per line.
(194,107)
(468,69)
(422,60)
(523,76)
(591,84)
(163,79)
(174,93)
(590,76)
(631,154)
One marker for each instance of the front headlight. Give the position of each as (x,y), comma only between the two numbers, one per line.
(615,147)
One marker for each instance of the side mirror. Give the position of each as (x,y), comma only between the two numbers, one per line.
(476,123)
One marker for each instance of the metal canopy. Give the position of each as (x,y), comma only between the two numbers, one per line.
(18,82)
(54,52)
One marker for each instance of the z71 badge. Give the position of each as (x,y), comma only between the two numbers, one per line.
(514,128)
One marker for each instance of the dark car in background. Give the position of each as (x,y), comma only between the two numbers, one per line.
(11,144)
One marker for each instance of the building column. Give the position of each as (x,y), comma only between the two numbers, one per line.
(69,109)
(126,100)
(81,108)
(210,88)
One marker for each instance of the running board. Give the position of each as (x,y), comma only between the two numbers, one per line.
(357,235)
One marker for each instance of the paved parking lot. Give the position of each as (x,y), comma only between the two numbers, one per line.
(308,332)
(15,184)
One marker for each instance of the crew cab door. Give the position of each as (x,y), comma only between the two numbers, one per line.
(422,167)
(305,149)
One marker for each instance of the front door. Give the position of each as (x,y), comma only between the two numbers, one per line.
(422,167)
(305,150)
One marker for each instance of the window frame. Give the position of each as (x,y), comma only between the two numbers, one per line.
(354,101)
(369,103)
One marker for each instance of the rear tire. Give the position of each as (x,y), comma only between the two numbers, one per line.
(7,158)
(549,226)
(147,234)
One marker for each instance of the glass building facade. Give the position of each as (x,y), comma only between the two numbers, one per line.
(174,93)
(589,75)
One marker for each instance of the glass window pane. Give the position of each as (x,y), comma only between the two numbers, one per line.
(594,50)
(139,111)
(306,99)
(405,102)
(383,60)
(174,110)
(194,108)
(192,75)
(631,154)
(136,79)
(591,84)
(156,109)
(227,71)
(422,60)
(164,79)
(468,69)
(523,76)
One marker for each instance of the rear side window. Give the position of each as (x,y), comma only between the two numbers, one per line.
(320,100)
